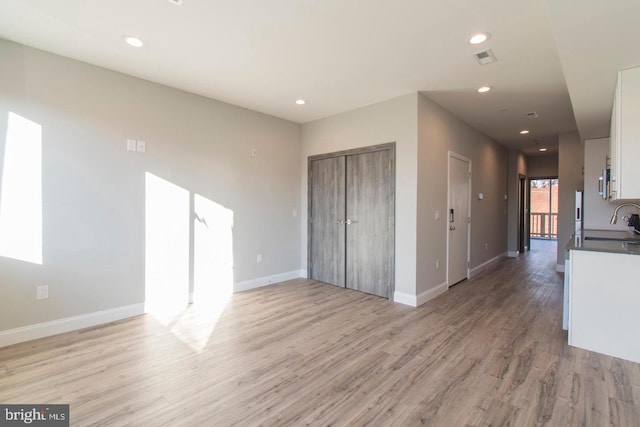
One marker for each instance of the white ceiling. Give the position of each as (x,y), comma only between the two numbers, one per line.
(344,54)
(595,39)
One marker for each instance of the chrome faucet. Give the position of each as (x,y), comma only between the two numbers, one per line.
(614,217)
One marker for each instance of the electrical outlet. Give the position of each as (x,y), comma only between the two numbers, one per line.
(437,215)
(258,258)
(437,264)
(254,152)
(295,213)
(486,246)
(141,146)
(42,292)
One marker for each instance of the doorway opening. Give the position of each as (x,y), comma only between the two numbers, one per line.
(523,219)
(543,217)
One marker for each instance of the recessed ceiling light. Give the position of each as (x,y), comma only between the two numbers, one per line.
(524,132)
(301,102)
(479,38)
(543,149)
(484,89)
(133,41)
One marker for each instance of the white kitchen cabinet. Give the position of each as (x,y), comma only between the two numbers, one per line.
(625,136)
(604,298)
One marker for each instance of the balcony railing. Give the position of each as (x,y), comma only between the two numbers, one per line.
(544,225)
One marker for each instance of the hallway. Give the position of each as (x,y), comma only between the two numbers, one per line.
(547,246)
(490,351)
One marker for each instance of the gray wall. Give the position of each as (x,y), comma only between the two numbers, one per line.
(570,164)
(424,133)
(394,120)
(542,166)
(439,132)
(93,201)
(517,167)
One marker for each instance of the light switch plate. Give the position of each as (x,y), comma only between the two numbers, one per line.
(131,145)
(141,146)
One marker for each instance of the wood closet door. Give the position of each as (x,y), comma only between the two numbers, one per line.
(327,228)
(369,219)
(351,219)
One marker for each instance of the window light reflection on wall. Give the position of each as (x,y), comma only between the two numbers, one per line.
(21,191)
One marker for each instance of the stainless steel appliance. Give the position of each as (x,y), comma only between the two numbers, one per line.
(604,187)
(579,212)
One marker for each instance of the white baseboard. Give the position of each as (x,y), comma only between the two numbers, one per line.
(406,299)
(67,324)
(513,254)
(269,280)
(560,268)
(482,267)
(430,294)
(423,297)
(46,329)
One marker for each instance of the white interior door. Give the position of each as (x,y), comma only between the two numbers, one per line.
(459,218)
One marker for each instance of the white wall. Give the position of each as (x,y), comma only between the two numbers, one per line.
(93,190)
(440,132)
(394,120)
(570,177)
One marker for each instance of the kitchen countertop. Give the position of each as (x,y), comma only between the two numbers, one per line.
(583,242)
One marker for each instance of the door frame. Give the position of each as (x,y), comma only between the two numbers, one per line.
(528,211)
(450,155)
(523,212)
(391,147)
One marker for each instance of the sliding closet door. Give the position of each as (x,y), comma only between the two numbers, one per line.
(369,219)
(326,222)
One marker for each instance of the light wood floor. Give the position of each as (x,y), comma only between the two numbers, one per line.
(490,351)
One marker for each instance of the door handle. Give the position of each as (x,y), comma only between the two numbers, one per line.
(601,185)
(452,227)
(350,221)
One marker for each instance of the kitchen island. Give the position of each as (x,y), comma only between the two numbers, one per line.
(603,284)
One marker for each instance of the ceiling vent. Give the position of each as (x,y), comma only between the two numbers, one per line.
(485,57)
(531,114)
(177,2)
